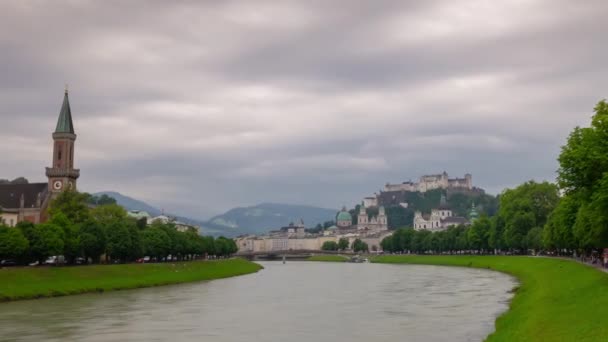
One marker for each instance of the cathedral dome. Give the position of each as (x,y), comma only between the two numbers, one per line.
(344,216)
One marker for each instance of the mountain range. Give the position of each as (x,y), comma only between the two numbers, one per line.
(243,220)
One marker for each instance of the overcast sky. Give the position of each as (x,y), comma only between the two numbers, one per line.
(197,107)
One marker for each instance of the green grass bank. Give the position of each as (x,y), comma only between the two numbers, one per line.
(330,258)
(37,282)
(557,300)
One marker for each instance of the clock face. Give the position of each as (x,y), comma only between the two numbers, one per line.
(57,185)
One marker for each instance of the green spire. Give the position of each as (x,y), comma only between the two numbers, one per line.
(64,124)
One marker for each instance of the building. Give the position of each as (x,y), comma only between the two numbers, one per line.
(256,244)
(30,202)
(473,214)
(164,219)
(371,202)
(344,219)
(139,214)
(440,218)
(374,224)
(292,230)
(431,182)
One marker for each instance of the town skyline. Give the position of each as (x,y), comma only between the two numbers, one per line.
(306,104)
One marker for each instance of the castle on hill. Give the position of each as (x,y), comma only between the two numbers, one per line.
(396,194)
(431,182)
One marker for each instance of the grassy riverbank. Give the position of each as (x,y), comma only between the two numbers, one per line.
(557,300)
(36,282)
(331,258)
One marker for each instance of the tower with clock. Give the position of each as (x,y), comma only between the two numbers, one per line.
(62,175)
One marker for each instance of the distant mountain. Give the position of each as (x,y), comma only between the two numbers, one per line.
(249,220)
(130,203)
(268,216)
(133,204)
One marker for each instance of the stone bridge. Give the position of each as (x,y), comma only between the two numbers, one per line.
(288,254)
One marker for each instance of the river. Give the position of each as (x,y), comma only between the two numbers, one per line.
(292,302)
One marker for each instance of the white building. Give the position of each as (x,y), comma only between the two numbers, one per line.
(375,224)
(439,219)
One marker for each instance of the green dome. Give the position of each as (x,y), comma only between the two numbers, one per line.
(344,216)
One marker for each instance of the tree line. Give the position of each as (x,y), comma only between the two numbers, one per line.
(75,230)
(343,244)
(563,218)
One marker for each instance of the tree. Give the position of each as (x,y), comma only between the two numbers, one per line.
(329,246)
(137,248)
(495,236)
(534,238)
(93,240)
(107,214)
(13,244)
(155,242)
(119,241)
(72,247)
(478,234)
(360,246)
(101,200)
(558,232)
(47,240)
(525,207)
(583,176)
(72,204)
(343,244)
(387,244)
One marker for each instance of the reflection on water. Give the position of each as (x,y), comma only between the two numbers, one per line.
(297,301)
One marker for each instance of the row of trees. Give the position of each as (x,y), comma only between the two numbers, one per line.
(74,230)
(343,244)
(569,216)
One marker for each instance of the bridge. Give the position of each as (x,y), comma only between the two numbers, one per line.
(288,254)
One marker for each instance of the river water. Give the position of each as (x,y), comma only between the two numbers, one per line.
(296,301)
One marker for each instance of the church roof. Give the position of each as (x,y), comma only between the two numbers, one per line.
(64,124)
(443,203)
(344,216)
(10,194)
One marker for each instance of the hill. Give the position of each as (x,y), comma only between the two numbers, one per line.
(130,203)
(459,202)
(267,216)
(247,220)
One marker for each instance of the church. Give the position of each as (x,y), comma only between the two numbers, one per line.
(30,202)
(376,224)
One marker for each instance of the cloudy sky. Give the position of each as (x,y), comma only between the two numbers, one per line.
(197,107)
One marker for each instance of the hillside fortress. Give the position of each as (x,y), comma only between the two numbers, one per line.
(431,182)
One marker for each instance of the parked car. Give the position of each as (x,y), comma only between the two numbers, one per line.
(55,260)
(8,262)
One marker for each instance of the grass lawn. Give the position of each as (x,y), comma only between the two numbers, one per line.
(332,258)
(35,282)
(557,300)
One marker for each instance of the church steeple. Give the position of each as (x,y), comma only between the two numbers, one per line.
(62,175)
(64,123)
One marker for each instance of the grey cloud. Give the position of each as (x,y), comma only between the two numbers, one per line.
(201,106)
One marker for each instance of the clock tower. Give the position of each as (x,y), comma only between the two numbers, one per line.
(62,175)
